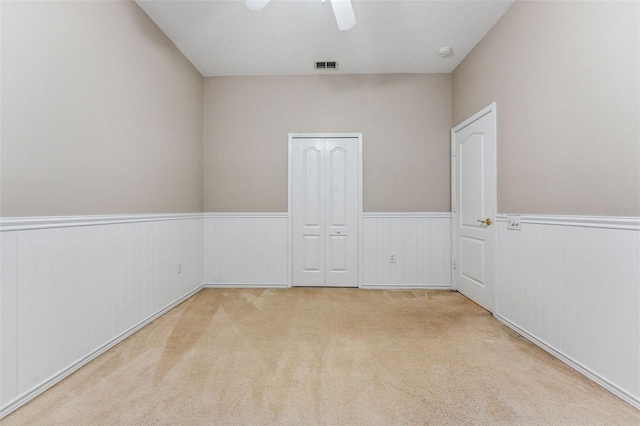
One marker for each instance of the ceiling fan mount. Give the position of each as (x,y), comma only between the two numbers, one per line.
(342,10)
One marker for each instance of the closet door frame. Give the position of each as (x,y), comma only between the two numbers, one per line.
(293,136)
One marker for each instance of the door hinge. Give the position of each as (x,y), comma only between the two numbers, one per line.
(455,265)
(454,152)
(454,208)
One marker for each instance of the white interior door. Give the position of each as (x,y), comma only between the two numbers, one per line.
(474,208)
(325,208)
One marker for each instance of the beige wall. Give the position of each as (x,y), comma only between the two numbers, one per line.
(101,113)
(565,77)
(405,120)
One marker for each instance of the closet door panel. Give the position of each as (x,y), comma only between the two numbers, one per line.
(308,214)
(341,207)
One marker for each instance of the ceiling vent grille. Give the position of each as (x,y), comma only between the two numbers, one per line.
(326,65)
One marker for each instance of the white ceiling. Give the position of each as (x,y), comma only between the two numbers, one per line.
(287,37)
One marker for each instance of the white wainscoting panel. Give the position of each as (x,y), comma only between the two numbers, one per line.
(572,285)
(245,249)
(69,291)
(421,243)
(72,287)
(8,316)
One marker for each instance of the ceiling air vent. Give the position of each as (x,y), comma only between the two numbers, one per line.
(326,65)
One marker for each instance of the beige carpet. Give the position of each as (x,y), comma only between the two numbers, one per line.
(326,356)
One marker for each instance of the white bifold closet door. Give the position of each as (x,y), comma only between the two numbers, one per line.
(325,196)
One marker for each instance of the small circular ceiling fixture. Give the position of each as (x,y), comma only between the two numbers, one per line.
(445,52)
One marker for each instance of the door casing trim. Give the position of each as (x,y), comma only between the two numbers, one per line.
(291,137)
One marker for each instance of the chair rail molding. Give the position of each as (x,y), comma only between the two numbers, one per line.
(46,222)
(630,223)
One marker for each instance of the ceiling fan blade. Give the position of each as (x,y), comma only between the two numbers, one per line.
(256,4)
(344,14)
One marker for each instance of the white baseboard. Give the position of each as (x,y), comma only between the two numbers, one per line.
(246,285)
(56,378)
(406,287)
(572,363)
(363,286)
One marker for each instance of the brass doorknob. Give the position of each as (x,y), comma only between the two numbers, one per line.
(487,221)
